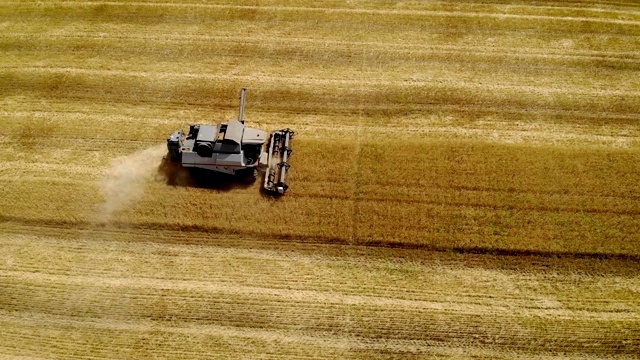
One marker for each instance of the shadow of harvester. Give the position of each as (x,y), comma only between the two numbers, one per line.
(176,175)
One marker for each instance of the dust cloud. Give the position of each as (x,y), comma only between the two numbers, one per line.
(124,182)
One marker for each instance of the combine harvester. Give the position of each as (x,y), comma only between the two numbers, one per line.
(235,149)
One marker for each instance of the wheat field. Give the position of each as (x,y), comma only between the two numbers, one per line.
(464,180)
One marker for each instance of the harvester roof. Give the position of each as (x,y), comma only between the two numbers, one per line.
(234,131)
(208,133)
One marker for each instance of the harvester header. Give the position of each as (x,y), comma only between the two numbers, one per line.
(277,165)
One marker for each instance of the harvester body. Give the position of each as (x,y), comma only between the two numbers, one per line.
(233,148)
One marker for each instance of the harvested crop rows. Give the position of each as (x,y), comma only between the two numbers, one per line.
(464,180)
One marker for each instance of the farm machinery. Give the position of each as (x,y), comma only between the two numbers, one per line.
(234,149)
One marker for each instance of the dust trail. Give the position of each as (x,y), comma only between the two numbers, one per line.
(124,182)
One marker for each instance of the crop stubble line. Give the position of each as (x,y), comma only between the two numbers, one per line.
(547,264)
(460,303)
(48,281)
(621,136)
(143,246)
(357,11)
(132,339)
(461,203)
(326,340)
(149,325)
(273,294)
(480,205)
(445,334)
(628,57)
(435,125)
(454,305)
(307,81)
(131,228)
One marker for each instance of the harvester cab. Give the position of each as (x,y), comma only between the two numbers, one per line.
(235,149)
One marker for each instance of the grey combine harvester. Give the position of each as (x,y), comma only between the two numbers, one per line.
(235,149)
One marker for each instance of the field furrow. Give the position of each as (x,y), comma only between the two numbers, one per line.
(208,288)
